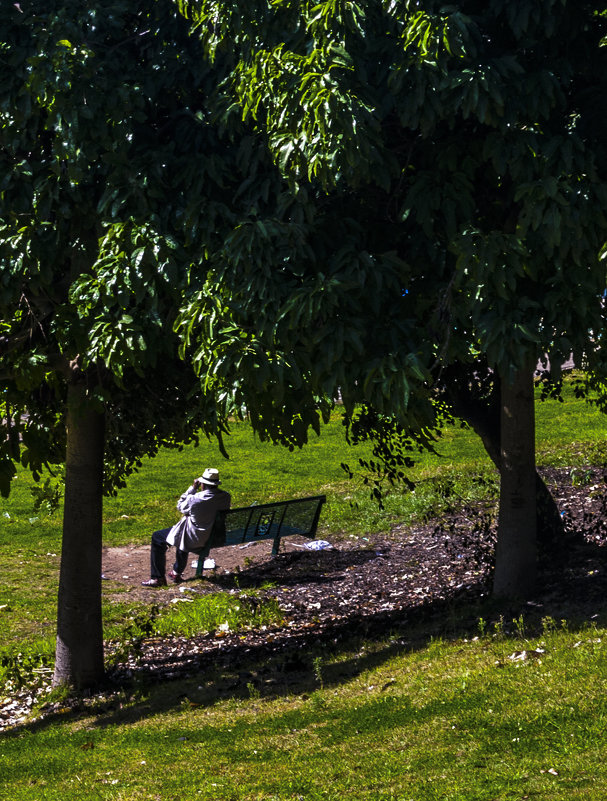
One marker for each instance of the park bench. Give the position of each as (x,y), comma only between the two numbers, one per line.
(264,521)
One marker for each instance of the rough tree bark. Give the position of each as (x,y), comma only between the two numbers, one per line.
(79,655)
(516,549)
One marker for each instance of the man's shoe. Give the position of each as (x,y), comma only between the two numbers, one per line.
(176,578)
(154,582)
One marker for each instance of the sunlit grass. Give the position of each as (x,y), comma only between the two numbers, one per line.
(217,612)
(494,718)
(401,719)
(570,433)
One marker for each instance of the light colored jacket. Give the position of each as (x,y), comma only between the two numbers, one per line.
(199,510)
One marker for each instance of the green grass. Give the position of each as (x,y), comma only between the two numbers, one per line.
(226,613)
(457,721)
(384,720)
(189,616)
(570,433)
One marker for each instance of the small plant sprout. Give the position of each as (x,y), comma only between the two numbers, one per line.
(581,476)
(548,624)
(498,628)
(254,693)
(318,666)
(47,497)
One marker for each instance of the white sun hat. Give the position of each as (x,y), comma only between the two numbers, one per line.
(210,477)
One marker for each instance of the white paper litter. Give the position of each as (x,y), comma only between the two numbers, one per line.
(315,545)
(209,564)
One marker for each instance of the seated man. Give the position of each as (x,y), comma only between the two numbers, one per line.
(199,504)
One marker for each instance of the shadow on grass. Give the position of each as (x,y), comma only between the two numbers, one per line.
(287,662)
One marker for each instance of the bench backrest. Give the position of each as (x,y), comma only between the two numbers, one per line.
(267,521)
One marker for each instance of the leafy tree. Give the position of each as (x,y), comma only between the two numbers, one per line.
(450,165)
(113,179)
(306,199)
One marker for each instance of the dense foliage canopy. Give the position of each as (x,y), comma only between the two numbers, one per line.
(114,181)
(302,199)
(112,177)
(450,162)
(451,167)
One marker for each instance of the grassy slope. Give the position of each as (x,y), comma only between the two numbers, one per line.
(449,721)
(458,722)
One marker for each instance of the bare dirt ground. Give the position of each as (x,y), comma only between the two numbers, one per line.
(414,579)
(125,568)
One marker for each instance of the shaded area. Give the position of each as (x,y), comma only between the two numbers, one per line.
(398,593)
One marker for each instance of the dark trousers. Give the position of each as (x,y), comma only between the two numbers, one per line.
(158,555)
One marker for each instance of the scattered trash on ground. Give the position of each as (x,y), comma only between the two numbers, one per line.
(209,564)
(315,545)
(523,656)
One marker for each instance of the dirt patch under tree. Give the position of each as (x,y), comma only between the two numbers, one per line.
(413,575)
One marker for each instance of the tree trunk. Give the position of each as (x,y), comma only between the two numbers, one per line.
(79,656)
(516,550)
(484,417)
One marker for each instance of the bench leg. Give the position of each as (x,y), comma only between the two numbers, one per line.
(201,557)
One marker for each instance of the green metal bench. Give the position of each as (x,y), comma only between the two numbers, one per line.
(265,521)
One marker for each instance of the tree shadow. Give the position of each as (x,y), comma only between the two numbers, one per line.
(294,568)
(297,660)
(282,662)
